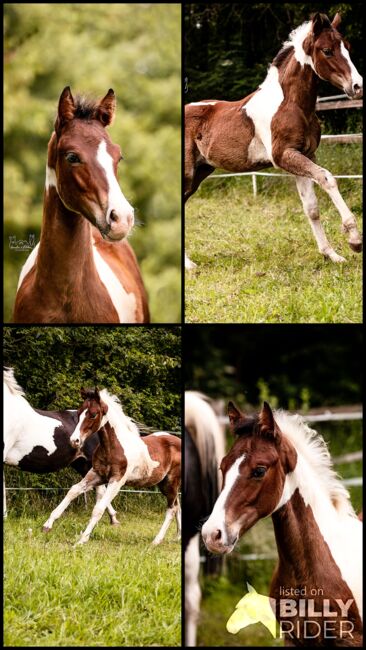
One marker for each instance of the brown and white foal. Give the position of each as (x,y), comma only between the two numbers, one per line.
(277,126)
(279,467)
(123,458)
(83,270)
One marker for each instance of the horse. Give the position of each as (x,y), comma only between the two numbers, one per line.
(276,125)
(38,441)
(279,467)
(83,270)
(122,457)
(204,446)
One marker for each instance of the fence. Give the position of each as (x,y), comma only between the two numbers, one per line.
(333,102)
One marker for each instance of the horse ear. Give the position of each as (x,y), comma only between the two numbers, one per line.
(66,109)
(234,414)
(336,21)
(267,421)
(96,393)
(107,107)
(83,393)
(319,22)
(104,408)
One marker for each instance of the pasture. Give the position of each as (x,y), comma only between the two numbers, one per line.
(257,260)
(116,590)
(221,594)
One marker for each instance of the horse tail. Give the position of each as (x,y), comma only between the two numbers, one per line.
(207,435)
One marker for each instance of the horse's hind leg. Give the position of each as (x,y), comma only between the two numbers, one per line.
(100,490)
(305,187)
(194,175)
(168,487)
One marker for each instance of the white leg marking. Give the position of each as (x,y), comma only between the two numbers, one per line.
(111,491)
(307,194)
(100,491)
(189,265)
(192,591)
(86,484)
(169,516)
(329,184)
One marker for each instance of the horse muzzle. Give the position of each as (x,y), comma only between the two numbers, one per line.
(218,542)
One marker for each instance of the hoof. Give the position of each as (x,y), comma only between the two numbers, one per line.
(357,248)
(115,522)
(46,529)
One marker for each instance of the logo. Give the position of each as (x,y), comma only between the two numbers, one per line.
(253,608)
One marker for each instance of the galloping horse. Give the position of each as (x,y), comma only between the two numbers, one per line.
(279,467)
(277,126)
(122,458)
(39,441)
(204,447)
(82,271)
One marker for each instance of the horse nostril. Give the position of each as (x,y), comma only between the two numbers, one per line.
(217,535)
(113,216)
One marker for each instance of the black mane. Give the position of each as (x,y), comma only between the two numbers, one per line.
(85,107)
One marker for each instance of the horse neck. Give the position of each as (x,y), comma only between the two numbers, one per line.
(299,84)
(105,434)
(66,240)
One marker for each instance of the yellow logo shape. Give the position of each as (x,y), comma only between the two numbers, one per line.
(253,608)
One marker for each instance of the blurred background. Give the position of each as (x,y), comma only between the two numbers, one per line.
(134,49)
(310,369)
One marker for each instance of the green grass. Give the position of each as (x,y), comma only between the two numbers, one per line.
(257,260)
(117,590)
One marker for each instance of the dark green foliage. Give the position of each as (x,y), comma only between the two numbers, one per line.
(293,367)
(228,47)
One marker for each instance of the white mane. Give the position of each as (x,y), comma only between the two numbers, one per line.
(296,39)
(115,415)
(311,445)
(12,383)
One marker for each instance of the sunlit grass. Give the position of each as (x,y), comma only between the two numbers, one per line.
(257,260)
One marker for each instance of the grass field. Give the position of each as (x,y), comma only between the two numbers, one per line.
(116,590)
(257,260)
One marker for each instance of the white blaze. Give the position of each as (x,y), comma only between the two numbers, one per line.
(355,75)
(216,520)
(116,200)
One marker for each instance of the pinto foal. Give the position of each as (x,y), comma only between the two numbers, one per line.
(123,458)
(277,126)
(279,467)
(83,270)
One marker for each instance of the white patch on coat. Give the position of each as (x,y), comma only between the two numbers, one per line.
(116,199)
(29,263)
(257,153)
(25,429)
(139,463)
(123,302)
(262,107)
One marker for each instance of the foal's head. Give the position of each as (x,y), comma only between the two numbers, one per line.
(91,416)
(254,473)
(82,164)
(329,55)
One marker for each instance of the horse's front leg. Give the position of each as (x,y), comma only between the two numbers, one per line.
(112,490)
(90,480)
(305,187)
(296,163)
(100,490)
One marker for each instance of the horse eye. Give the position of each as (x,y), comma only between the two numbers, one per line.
(71,157)
(93,416)
(327,51)
(259,472)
